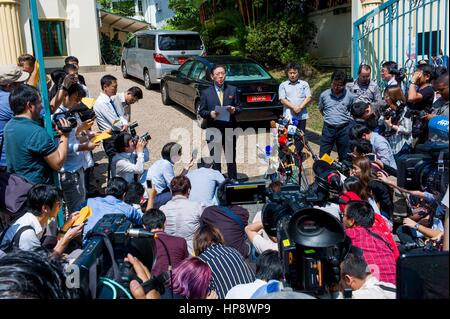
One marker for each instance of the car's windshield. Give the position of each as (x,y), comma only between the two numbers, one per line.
(177,42)
(246,72)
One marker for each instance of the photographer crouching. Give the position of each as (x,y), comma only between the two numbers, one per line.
(132,152)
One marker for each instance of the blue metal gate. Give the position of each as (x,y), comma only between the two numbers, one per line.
(404,31)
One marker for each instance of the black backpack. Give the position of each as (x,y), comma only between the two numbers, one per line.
(13,196)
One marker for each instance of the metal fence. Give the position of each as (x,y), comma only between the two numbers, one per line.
(404,31)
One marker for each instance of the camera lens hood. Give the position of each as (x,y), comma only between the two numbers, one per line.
(313,227)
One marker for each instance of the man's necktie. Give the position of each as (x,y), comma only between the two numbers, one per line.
(220,95)
(114,107)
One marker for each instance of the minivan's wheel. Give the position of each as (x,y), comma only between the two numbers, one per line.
(199,118)
(165,94)
(124,70)
(147,80)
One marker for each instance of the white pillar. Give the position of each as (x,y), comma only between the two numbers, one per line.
(11,44)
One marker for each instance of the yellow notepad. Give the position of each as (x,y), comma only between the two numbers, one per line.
(88,101)
(85,213)
(102,136)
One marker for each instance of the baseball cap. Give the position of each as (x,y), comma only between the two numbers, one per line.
(10,73)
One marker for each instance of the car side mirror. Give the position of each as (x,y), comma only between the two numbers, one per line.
(174,72)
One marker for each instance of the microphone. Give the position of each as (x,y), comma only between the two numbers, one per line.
(140,233)
(273,124)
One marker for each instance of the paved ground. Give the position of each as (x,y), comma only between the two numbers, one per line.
(174,123)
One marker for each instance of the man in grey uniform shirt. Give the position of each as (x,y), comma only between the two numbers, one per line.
(365,90)
(334,104)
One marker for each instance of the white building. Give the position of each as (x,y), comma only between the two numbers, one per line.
(68,27)
(154,12)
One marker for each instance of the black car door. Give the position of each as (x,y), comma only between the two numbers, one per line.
(199,81)
(181,84)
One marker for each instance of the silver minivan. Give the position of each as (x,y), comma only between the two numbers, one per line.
(150,54)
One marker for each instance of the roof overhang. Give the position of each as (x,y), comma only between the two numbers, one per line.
(123,23)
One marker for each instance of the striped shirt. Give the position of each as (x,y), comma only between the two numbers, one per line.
(228,268)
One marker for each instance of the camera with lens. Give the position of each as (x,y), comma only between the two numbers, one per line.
(102,269)
(419,124)
(428,167)
(312,242)
(69,116)
(146,136)
(132,128)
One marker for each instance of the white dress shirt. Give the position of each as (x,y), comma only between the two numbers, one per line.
(125,165)
(107,115)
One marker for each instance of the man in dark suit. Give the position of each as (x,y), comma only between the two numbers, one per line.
(221,94)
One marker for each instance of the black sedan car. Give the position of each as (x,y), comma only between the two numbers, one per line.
(257,89)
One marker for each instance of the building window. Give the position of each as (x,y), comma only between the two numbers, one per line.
(423,41)
(53,36)
(140,11)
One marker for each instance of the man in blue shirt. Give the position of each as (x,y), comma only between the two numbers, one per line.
(30,150)
(11,76)
(380,146)
(334,104)
(112,203)
(204,182)
(295,95)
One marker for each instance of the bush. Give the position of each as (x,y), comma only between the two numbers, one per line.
(111,50)
(276,43)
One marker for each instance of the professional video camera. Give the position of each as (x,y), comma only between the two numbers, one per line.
(146,136)
(312,242)
(103,271)
(427,169)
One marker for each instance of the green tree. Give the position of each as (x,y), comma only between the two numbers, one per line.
(121,7)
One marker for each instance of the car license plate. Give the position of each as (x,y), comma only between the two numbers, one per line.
(258,98)
(181,60)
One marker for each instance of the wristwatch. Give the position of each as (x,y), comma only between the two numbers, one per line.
(416,226)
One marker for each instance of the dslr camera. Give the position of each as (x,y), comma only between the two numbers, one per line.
(146,136)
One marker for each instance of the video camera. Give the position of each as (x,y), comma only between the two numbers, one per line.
(312,242)
(69,116)
(427,169)
(132,127)
(101,264)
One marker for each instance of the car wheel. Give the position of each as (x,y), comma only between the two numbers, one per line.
(147,80)
(165,95)
(124,70)
(199,118)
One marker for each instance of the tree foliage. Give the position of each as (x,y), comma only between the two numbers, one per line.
(122,7)
(273,32)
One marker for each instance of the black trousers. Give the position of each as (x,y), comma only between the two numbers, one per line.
(110,150)
(225,141)
(335,134)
